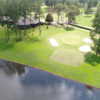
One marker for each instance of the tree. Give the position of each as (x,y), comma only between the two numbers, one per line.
(95,34)
(93,3)
(88,7)
(37,8)
(2,10)
(49,19)
(64,2)
(96,21)
(38,12)
(12,10)
(59,8)
(51,3)
(11,14)
(25,8)
(72,12)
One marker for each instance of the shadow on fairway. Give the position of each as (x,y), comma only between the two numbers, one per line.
(69,28)
(33,39)
(92,59)
(5,45)
(87,15)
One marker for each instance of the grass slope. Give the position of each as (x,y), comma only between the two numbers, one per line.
(37,52)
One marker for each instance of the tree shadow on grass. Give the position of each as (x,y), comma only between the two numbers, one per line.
(92,59)
(5,45)
(34,39)
(69,28)
(87,15)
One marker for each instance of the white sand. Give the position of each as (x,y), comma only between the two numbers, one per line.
(85,48)
(88,40)
(53,42)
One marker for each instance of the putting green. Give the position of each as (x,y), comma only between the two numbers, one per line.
(68,57)
(72,39)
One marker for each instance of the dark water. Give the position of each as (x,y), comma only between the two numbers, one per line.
(18,82)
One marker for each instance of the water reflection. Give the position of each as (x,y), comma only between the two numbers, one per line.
(11,68)
(18,82)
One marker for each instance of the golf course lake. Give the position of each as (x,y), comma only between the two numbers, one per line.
(20,82)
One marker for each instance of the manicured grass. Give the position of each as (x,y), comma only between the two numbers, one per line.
(38,52)
(85,20)
(72,57)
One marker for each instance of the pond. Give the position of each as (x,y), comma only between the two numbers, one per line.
(19,82)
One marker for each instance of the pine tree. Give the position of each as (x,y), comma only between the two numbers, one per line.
(95,34)
(49,19)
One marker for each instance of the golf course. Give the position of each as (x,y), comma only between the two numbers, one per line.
(46,39)
(63,58)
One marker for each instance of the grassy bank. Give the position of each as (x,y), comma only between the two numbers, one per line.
(65,60)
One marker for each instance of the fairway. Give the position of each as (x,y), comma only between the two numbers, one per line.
(85,20)
(68,57)
(55,51)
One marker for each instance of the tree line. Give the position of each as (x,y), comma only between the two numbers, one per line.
(12,10)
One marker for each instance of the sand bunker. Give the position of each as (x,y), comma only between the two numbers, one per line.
(88,40)
(53,42)
(85,48)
